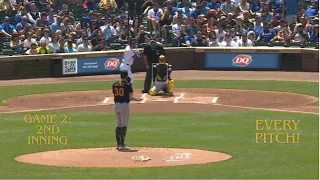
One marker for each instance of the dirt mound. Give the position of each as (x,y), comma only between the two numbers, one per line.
(110,157)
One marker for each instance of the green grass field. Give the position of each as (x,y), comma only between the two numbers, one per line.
(229,132)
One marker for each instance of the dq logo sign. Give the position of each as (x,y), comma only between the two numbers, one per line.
(178,157)
(242,60)
(112,63)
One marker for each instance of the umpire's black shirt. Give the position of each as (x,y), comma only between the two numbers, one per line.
(153,54)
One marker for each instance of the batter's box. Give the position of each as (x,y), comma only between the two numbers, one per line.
(198,99)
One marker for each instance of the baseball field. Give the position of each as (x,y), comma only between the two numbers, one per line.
(219,125)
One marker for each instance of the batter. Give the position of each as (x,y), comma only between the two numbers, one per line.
(129,55)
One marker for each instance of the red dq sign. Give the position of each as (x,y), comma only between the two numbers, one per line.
(112,63)
(242,60)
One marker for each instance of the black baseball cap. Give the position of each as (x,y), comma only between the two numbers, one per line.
(124,74)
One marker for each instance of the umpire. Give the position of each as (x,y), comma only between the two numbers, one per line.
(151,54)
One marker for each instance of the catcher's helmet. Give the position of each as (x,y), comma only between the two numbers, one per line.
(162,59)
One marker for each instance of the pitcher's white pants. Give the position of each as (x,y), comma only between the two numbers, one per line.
(127,68)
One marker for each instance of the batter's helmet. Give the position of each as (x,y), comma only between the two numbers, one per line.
(132,41)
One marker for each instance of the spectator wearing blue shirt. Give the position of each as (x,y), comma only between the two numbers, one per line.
(276,4)
(258,26)
(87,19)
(22,25)
(267,13)
(187,10)
(58,25)
(171,9)
(205,7)
(291,9)
(214,4)
(89,4)
(196,12)
(312,10)
(314,34)
(266,34)
(250,28)
(6,29)
(255,7)
(108,30)
(183,4)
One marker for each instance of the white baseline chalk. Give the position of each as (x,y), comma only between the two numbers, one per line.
(160,100)
(214,100)
(105,100)
(177,98)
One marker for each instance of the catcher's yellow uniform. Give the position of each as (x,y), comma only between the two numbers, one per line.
(163,79)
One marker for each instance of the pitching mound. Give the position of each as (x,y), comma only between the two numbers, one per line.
(110,157)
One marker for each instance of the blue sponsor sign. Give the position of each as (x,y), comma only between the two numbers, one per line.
(99,64)
(242,61)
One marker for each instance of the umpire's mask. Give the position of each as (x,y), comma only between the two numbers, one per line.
(153,44)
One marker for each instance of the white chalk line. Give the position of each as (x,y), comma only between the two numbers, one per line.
(177,98)
(105,100)
(144,98)
(267,109)
(160,100)
(214,100)
(49,109)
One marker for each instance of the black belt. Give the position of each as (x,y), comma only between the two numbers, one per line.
(128,64)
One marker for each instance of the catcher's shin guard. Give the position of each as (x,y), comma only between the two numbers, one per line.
(170,86)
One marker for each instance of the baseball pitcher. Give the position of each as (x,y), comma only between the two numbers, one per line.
(122,91)
(163,81)
(128,58)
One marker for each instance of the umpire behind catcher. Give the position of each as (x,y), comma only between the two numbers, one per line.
(151,55)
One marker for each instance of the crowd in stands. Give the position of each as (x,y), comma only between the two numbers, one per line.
(60,26)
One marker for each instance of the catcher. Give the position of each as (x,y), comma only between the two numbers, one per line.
(162,80)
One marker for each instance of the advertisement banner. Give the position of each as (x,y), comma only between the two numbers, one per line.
(242,61)
(99,64)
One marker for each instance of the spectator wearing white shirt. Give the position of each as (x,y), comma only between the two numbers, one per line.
(154,16)
(29,40)
(244,5)
(220,33)
(233,34)
(46,37)
(228,7)
(228,41)
(244,41)
(54,45)
(85,46)
(108,31)
(176,29)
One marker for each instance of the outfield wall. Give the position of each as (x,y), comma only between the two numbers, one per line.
(107,62)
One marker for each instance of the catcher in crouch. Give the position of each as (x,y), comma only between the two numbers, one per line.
(162,80)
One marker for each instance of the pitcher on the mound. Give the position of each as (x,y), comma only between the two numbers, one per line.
(163,81)
(129,55)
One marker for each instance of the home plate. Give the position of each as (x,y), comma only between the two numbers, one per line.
(160,100)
